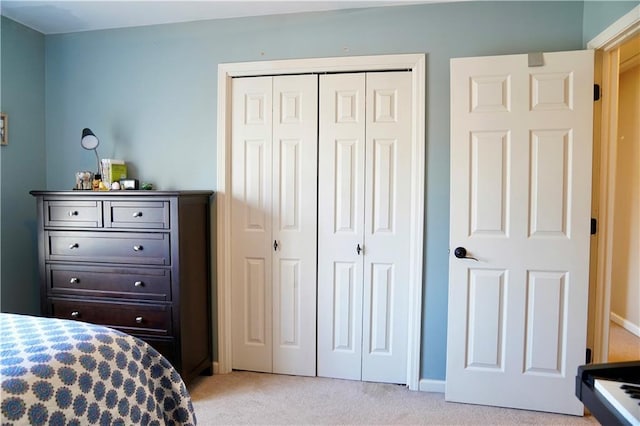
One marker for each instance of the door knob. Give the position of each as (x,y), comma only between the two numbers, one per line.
(461,253)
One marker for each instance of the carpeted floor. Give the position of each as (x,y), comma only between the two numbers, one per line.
(241,398)
(623,345)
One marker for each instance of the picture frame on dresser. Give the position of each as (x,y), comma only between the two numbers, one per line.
(136,261)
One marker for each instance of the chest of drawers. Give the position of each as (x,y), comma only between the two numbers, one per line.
(137,261)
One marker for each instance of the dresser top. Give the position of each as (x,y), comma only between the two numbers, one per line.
(120,193)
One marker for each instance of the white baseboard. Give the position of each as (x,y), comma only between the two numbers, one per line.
(428,385)
(627,325)
(216,370)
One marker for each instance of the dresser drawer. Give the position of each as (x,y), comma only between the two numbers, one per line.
(130,318)
(87,214)
(139,214)
(108,247)
(93,281)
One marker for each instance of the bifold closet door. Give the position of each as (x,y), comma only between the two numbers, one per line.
(251,295)
(363,226)
(274,209)
(341,160)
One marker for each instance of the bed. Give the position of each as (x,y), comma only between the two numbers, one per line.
(64,372)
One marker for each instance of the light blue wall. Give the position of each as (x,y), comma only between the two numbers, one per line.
(149,93)
(22,164)
(598,15)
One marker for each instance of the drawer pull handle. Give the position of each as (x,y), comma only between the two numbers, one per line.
(73,246)
(138,248)
(137,214)
(139,320)
(75,314)
(73,213)
(74,280)
(138,284)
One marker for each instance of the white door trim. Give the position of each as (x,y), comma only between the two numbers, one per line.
(417,65)
(618,32)
(607,41)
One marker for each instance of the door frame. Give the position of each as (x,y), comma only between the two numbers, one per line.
(416,64)
(605,134)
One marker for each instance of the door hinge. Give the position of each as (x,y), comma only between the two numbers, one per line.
(594,226)
(587,357)
(596,92)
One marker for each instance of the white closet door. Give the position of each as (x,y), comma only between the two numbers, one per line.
(363,229)
(295,161)
(340,224)
(251,237)
(274,217)
(387,227)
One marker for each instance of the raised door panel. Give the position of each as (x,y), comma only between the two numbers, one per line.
(489,169)
(294,223)
(550,170)
(344,324)
(340,224)
(546,299)
(346,184)
(386,226)
(251,224)
(485,295)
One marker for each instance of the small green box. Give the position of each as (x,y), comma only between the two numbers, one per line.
(118,172)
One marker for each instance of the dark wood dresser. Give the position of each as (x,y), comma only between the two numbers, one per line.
(136,261)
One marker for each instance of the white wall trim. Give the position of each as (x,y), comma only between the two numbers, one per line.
(428,385)
(608,41)
(416,63)
(626,324)
(618,32)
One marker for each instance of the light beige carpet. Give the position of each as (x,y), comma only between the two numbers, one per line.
(242,398)
(623,345)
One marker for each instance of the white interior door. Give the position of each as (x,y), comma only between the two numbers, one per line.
(363,230)
(274,216)
(521,147)
(295,162)
(251,208)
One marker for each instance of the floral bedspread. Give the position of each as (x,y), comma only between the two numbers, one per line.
(64,372)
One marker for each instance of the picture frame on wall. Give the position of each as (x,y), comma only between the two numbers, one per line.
(4,127)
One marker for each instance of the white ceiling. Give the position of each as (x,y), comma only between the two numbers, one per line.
(64,16)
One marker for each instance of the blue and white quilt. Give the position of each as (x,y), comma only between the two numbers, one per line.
(63,372)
